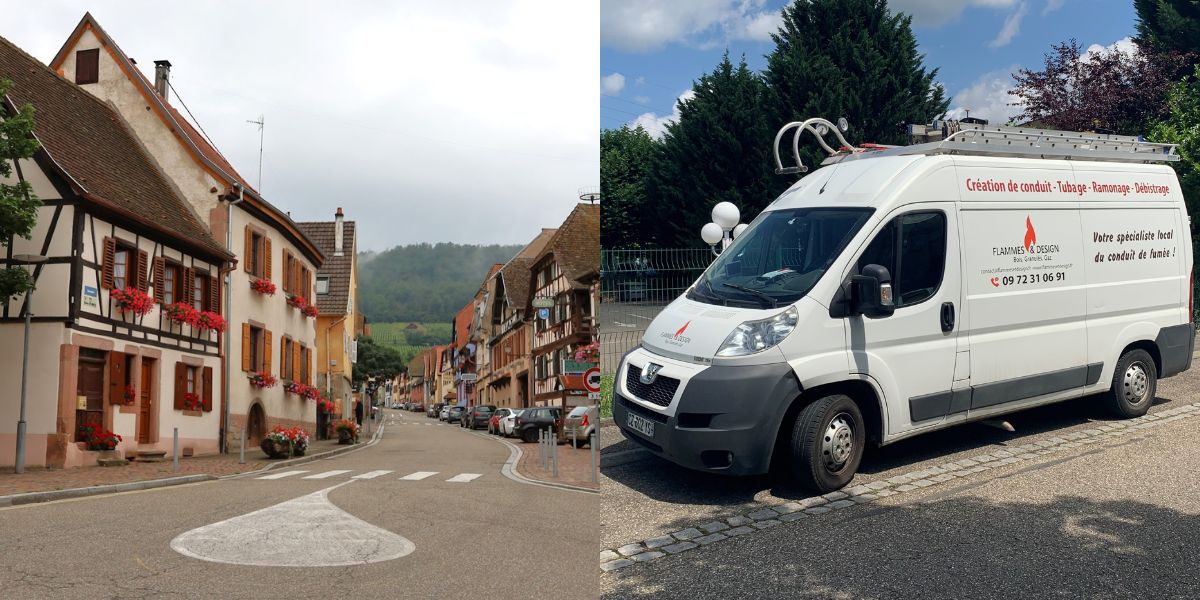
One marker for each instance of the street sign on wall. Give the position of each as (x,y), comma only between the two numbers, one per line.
(543,302)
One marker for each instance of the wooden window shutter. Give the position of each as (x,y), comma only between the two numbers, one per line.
(307,362)
(297,372)
(180,384)
(110,256)
(87,66)
(159,267)
(287,272)
(245,346)
(283,353)
(189,284)
(143,263)
(117,378)
(266,257)
(214,294)
(249,250)
(266,366)
(208,389)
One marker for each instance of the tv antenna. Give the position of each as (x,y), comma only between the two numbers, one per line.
(589,194)
(261,126)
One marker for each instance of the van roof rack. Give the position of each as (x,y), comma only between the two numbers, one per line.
(980,139)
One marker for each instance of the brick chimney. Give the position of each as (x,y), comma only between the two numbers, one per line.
(337,233)
(162,75)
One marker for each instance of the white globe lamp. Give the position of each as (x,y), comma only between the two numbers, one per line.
(712,234)
(726,215)
(739,229)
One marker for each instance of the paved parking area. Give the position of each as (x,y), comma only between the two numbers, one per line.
(1070,481)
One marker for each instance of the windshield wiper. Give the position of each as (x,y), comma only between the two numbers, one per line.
(710,294)
(771,303)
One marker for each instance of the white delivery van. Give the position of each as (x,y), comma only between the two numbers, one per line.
(906,289)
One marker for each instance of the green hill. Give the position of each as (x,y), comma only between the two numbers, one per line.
(424,283)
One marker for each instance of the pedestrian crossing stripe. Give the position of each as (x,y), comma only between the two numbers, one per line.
(419,475)
(371,475)
(282,474)
(464,477)
(326,474)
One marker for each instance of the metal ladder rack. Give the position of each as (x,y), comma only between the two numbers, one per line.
(983,140)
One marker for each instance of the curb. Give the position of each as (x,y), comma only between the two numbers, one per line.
(38,497)
(764,515)
(149,484)
(509,469)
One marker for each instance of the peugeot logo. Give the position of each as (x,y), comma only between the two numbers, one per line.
(650,373)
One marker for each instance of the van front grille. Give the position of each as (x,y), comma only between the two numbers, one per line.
(660,393)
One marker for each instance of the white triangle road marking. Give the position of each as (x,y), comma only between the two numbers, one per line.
(464,477)
(419,475)
(327,474)
(370,475)
(281,475)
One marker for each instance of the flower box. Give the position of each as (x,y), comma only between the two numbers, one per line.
(192,401)
(283,442)
(263,286)
(263,380)
(132,300)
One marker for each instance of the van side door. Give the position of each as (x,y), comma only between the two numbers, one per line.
(910,354)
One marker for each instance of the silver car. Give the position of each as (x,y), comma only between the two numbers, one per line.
(445,414)
(580,424)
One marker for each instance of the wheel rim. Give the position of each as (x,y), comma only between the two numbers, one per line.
(837,443)
(1135,385)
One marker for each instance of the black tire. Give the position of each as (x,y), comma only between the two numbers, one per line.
(530,435)
(826,455)
(1135,381)
(579,443)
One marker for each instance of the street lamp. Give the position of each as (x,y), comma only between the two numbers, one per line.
(724,228)
(27,259)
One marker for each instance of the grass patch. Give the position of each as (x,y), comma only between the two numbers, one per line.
(606,395)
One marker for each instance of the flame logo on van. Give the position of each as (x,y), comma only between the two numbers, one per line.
(1030,234)
(682,329)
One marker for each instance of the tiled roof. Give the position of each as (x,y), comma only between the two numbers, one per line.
(576,244)
(337,268)
(515,274)
(195,139)
(92,143)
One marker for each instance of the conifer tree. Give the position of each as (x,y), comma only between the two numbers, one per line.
(624,159)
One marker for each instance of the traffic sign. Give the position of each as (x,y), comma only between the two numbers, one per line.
(591,379)
(543,302)
(468,377)
(543,313)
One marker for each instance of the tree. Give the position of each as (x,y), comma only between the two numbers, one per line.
(719,150)
(624,160)
(1182,126)
(1108,90)
(853,59)
(1165,26)
(376,360)
(18,204)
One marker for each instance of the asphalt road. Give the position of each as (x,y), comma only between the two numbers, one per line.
(1115,517)
(476,535)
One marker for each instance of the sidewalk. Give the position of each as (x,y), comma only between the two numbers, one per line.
(574,465)
(45,480)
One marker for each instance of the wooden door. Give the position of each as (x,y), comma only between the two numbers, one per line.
(91,384)
(145,411)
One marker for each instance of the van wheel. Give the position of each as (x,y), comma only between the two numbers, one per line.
(1134,384)
(827,443)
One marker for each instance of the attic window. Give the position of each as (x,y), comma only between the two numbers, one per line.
(87,66)
(322,285)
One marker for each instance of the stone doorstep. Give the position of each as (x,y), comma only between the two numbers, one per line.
(112,462)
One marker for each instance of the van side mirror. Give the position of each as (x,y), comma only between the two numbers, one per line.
(871,292)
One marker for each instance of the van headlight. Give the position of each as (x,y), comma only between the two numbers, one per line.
(756,336)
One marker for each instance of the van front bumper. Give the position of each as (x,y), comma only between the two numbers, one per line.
(723,419)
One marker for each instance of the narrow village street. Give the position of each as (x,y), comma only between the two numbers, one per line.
(425,512)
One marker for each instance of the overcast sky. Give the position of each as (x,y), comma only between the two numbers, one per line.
(464,121)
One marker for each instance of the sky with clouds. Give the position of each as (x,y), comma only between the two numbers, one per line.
(471,122)
(652,50)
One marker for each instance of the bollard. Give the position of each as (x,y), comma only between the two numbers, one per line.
(545,449)
(242,457)
(554,452)
(575,437)
(175,452)
(592,445)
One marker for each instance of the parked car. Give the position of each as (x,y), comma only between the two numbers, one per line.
(434,410)
(444,413)
(537,419)
(418,407)
(508,423)
(580,424)
(494,420)
(478,417)
(454,414)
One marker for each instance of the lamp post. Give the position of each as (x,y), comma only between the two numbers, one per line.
(28,259)
(724,228)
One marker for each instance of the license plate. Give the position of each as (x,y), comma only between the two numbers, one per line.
(640,424)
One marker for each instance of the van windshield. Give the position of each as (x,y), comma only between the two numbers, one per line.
(779,257)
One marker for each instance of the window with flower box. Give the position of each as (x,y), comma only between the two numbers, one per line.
(256,348)
(193,387)
(123,265)
(258,253)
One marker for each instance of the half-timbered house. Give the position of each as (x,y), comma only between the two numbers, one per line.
(564,272)
(272,339)
(112,225)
